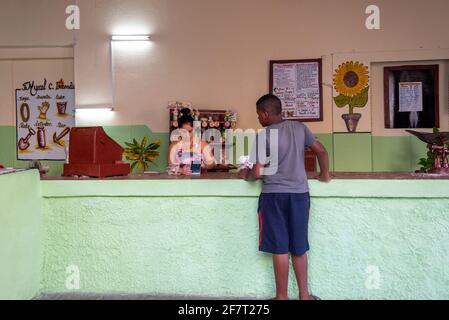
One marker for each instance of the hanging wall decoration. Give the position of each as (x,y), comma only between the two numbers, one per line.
(351,81)
(45,113)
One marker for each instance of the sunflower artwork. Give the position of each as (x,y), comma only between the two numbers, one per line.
(141,154)
(351,81)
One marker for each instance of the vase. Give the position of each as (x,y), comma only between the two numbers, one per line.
(139,170)
(351,120)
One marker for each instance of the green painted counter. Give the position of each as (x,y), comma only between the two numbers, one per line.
(370,239)
(21,235)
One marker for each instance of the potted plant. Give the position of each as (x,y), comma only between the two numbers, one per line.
(351,82)
(437,154)
(141,154)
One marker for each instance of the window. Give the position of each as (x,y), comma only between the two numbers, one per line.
(411,96)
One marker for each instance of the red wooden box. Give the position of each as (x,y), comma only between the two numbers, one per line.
(93,153)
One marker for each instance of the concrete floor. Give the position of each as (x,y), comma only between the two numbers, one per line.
(126,296)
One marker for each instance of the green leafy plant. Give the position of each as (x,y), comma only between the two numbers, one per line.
(141,153)
(427,163)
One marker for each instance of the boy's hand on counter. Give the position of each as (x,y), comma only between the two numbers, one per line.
(324,177)
(243,173)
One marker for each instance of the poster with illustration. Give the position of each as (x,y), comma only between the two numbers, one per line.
(45,113)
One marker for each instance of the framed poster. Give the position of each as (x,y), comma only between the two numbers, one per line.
(45,114)
(297,83)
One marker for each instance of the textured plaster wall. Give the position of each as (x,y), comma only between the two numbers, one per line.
(192,246)
(406,239)
(370,239)
(21,235)
(391,235)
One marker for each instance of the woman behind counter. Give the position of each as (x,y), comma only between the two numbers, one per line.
(181,154)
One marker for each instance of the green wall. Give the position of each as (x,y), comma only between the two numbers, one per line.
(123,134)
(21,235)
(356,152)
(363,152)
(120,134)
(199,237)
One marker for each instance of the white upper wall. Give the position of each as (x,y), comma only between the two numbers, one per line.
(213,53)
(34,23)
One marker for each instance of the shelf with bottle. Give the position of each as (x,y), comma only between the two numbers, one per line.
(209,119)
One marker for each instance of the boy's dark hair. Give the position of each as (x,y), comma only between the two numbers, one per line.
(185,117)
(270,103)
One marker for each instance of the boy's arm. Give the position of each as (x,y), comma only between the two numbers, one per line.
(323,160)
(251,174)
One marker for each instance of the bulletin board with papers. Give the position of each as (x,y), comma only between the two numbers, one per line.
(297,83)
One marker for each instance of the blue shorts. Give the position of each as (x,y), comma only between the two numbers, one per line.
(283,223)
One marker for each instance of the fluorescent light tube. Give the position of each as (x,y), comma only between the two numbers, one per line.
(131,38)
(86,110)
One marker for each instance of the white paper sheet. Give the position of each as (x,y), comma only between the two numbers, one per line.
(410,97)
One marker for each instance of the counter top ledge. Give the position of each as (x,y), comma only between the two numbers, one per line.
(311,175)
(344,185)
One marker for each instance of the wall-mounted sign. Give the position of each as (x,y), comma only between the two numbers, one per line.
(45,113)
(297,83)
(410,96)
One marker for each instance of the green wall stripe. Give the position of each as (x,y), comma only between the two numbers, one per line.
(356,152)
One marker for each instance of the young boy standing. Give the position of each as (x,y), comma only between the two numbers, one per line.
(284,202)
